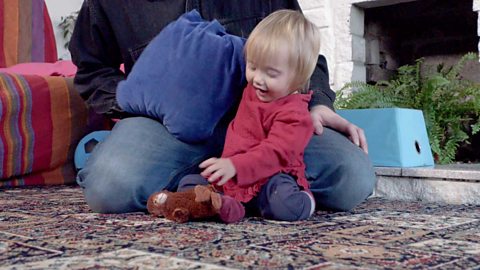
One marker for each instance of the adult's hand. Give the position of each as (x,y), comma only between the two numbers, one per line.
(322,116)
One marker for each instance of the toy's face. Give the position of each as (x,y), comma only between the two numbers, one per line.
(156,202)
(196,203)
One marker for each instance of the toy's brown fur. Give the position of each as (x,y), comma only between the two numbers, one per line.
(196,203)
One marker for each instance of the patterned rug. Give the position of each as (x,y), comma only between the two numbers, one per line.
(52,228)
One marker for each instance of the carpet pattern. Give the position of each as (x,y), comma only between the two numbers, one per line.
(53,228)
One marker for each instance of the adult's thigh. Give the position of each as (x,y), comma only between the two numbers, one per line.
(340,173)
(138,158)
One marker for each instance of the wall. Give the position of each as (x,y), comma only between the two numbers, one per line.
(57,9)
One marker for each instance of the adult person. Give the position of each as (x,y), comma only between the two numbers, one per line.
(140,156)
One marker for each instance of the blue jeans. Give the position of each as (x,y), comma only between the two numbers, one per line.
(141,157)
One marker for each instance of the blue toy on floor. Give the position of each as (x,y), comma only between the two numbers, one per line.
(396,137)
(86,146)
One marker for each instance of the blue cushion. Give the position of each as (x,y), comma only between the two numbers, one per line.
(188,77)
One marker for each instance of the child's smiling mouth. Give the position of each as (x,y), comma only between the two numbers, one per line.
(261,90)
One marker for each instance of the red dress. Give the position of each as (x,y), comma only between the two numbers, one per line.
(265,139)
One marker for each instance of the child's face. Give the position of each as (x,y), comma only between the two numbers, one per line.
(272,79)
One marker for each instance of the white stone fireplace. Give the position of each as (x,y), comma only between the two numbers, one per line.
(362,42)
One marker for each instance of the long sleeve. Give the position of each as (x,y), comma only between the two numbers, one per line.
(285,143)
(319,83)
(96,54)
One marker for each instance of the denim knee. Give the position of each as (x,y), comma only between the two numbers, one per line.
(356,182)
(341,175)
(107,196)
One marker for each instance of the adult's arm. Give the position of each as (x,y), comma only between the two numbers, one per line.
(319,83)
(96,54)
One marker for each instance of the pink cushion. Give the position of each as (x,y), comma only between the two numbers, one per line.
(61,68)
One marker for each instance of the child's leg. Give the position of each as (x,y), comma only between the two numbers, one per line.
(281,199)
(190,181)
(231,210)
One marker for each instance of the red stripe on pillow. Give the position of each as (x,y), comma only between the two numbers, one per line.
(2,27)
(50,45)
(41,122)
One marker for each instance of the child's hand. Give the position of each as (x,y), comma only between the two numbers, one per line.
(218,169)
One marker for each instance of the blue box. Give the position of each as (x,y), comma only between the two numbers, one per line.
(396,137)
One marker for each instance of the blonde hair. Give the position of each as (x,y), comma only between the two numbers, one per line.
(292,28)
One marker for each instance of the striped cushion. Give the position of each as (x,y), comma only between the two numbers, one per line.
(41,121)
(26,33)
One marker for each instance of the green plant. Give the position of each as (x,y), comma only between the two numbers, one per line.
(450,104)
(67,24)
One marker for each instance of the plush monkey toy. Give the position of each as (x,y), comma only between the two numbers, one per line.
(196,203)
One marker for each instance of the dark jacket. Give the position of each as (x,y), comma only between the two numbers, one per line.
(109,33)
